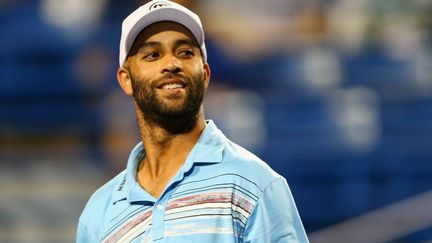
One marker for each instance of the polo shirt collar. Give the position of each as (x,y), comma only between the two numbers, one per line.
(208,150)
(209,146)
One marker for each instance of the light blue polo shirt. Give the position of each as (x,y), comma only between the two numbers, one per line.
(222,193)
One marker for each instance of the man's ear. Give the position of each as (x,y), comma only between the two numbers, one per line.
(207,74)
(124,79)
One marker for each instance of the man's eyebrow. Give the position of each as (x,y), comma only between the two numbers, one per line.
(149,44)
(188,42)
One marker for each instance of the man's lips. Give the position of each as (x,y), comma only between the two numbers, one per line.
(172,84)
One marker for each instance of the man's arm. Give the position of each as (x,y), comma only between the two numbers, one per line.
(275,217)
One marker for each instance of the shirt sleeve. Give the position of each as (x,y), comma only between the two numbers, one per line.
(275,217)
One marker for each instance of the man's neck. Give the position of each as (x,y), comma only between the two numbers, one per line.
(165,153)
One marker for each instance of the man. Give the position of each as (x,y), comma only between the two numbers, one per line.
(185,182)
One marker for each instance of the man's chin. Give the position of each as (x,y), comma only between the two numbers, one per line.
(173,110)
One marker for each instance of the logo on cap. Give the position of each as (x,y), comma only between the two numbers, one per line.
(159,4)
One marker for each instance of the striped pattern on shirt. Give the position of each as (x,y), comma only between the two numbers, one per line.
(218,205)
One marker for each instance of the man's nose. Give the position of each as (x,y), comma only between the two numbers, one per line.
(172,65)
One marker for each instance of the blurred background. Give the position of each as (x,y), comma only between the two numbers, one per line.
(335,95)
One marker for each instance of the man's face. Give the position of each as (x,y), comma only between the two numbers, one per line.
(167,73)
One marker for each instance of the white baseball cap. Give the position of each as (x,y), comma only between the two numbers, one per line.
(157,11)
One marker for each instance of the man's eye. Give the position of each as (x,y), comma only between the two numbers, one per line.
(186,53)
(152,55)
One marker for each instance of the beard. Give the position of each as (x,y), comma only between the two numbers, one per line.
(177,117)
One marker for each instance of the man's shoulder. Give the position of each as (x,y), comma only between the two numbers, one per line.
(102,197)
(248,165)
